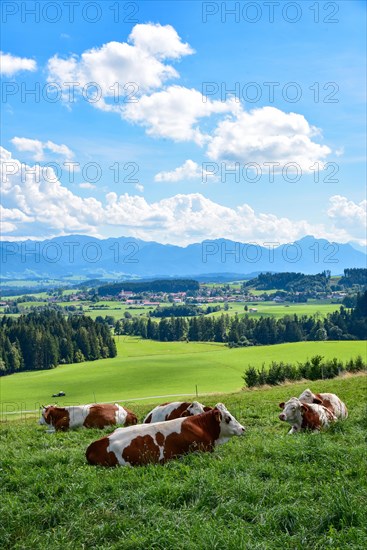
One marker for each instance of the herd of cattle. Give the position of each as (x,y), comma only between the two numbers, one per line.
(174,429)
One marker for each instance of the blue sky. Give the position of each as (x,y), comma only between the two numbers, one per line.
(176,145)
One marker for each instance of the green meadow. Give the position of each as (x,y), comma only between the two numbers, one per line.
(273,309)
(262,491)
(145,368)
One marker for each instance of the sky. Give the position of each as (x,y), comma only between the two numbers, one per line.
(183,121)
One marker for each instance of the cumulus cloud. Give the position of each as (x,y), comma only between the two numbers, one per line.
(349,216)
(159,41)
(36,203)
(184,219)
(122,69)
(188,171)
(11,64)
(132,80)
(139,187)
(35,193)
(267,134)
(38,149)
(175,112)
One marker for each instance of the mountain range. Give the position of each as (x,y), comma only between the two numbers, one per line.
(129,258)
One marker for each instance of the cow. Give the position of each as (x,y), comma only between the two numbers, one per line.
(87,416)
(305,416)
(328,400)
(176,409)
(161,441)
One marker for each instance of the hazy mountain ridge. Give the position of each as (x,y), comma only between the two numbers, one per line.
(126,257)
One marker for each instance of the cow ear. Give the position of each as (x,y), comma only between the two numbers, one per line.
(304,406)
(217,415)
(281,405)
(317,401)
(207,409)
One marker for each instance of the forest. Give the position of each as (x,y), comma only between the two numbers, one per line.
(354,276)
(298,282)
(295,282)
(164,285)
(40,341)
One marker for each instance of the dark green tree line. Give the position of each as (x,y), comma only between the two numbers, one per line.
(43,340)
(344,324)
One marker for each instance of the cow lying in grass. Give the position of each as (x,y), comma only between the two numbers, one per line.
(87,416)
(304,416)
(328,400)
(162,441)
(177,409)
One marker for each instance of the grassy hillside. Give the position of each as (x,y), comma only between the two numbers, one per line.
(265,490)
(145,368)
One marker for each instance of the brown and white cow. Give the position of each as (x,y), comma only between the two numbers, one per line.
(176,409)
(161,441)
(328,400)
(87,416)
(305,416)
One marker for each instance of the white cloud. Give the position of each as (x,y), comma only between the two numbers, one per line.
(267,134)
(349,217)
(139,187)
(47,206)
(179,113)
(10,218)
(26,145)
(36,203)
(38,148)
(11,64)
(159,41)
(184,219)
(175,112)
(116,64)
(87,185)
(188,171)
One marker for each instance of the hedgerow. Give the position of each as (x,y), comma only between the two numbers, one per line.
(316,368)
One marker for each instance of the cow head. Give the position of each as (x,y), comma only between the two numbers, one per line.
(229,426)
(193,409)
(308,397)
(46,415)
(292,411)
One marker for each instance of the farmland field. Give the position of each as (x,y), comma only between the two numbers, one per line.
(263,491)
(273,309)
(145,368)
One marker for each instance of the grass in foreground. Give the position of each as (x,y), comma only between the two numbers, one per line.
(266,490)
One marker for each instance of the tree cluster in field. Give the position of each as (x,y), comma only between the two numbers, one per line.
(43,340)
(307,284)
(243,331)
(353,276)
(187,310)
(292,282)
(316,368)
(169,285)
